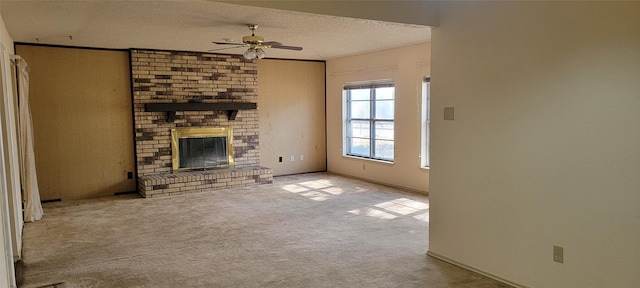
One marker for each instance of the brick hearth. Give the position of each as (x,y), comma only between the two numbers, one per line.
(197,181)
(193,77)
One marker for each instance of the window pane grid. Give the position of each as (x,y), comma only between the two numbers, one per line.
(426,121)
(370,110)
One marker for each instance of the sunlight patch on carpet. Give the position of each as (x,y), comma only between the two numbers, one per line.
(315,195)
(396,208)
(333,190)
(423,217)
(293,188)
(316,184)
(403,206)
(373,213)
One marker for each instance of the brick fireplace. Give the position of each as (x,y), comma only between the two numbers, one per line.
(193,79)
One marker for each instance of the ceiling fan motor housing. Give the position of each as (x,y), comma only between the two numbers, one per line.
(252,39)
(256,43)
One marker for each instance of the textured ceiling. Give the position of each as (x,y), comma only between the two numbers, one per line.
(192,25)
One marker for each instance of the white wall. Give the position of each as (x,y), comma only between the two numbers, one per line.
(11,150)
(407,66)
(545,146)
(7,274)
(9,111)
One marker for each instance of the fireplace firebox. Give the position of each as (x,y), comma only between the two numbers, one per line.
(201,148)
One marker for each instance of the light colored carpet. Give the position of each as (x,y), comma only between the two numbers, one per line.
(310,230)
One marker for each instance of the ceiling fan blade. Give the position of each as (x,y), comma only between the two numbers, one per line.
(225,48)
(287,47)
(227,43)
(272,43)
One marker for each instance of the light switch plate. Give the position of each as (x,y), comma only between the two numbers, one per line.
(448,113)
(558,254)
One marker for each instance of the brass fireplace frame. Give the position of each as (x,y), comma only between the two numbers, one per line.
(199,132)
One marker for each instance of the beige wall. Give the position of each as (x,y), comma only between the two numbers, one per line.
(7,278)
(5,38)
(545,146)
(291,101)
(82,121)
(407,66)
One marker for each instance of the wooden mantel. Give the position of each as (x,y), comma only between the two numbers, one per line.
(171,108)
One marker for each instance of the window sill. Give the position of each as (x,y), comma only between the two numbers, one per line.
(369,159)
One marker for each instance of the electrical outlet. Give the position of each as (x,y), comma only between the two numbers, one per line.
(293,158)
(558,254)
(301,157)
(280,159)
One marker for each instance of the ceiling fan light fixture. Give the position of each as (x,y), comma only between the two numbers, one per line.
(251,54)
(260,53)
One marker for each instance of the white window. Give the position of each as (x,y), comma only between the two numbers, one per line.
(426,117)
(369,128)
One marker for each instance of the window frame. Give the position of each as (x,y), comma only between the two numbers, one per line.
(372,120)
(425,133)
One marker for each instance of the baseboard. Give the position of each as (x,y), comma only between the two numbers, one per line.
(50,200)
(489,275)
(124,193)
(412,190)
(300,173)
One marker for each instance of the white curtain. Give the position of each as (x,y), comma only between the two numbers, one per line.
(31,194)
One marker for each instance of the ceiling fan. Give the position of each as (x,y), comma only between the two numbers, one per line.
(255,44)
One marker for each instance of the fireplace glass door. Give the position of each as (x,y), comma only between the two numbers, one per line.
(201,148)
(206,152)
